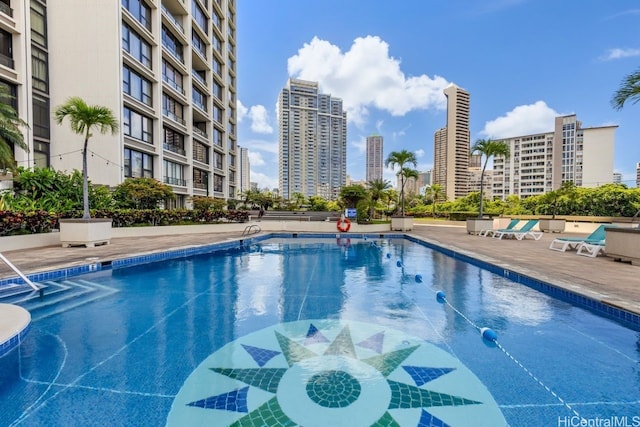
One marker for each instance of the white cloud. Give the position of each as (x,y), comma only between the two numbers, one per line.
(260,120)
(366,76)
(419,153)
(361,145)
(263,180)
(255,159)
(261,145)
(241,111)
(618,53)
(522,120)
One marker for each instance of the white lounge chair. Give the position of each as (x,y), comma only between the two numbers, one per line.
(490,231)
(521,233)
(562,244)
(591,249)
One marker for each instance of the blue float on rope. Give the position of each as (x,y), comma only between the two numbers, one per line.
(388,255)
(488,334)
(365,238)
(419,278)
(441,296)
(399,263)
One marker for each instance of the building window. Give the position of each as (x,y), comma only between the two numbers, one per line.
(217,44)
(217,113)
(172,76)
(172,44)
(173,173)
(199,16)
(200,179)
(218,183)
(38,24)
(39,68)
(40,154)
(198,44)
(200,152)
(140,11)
(136,86)
(199,99)
(137,164)
(217,137)
(6,49)
(217,67)
(41,117)
(232,160)
(217,160)
(137,126)
(172,109)
(135,46)
(173,141)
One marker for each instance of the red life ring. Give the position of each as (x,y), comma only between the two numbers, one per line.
(344,225)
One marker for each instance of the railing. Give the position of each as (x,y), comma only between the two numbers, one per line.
(173,84)
(4,8)
(172,18)
(251,229)
(19,273)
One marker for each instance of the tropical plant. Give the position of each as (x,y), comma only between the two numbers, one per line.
(400,159)
(377,187)
(434,191)
(82,119)
(10,133)
(142,193)
(488,148)
(352,194)
(629,90)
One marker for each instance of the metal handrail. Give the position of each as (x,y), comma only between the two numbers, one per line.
(248,228)
(22,276)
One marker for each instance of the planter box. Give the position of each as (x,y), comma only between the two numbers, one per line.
(623,244)
(400,223)
(552,225)
(85,232)
(476,225)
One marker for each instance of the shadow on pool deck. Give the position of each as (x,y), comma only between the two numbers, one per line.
(601,278)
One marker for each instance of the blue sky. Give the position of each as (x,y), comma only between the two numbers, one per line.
(523,62)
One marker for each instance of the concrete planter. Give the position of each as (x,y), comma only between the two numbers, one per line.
(623,244)
(552,225)
(85,232)
(476,225)
(401,223)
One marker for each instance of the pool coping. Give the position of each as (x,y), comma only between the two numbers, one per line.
(575,297)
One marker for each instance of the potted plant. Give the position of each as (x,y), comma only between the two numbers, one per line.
(487,148)
(400,159)
(83,119)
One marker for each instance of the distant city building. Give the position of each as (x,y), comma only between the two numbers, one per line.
(253,186)
(638,175)
(542,162)
(475,161)
(452,146)
(475,175)
(312,142)
(411,185)
(166,69)
(245,170)
(617,178)
(375,158)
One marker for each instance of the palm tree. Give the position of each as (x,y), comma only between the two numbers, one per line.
(629,91)
(10,133)
(488,148)
(82,119)
(377,188)
(400,159)
(435,191)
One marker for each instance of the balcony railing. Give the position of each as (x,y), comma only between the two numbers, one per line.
(200,132)
(4,8)
(173,116)
(200,105)
(173,84)
(6,61)
(173,148)
(174,181)
(172,18)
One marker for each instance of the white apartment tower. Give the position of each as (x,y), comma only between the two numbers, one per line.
(374,157)
(452,146)
(244,184)
(542,162)
(312,142)
(166,68)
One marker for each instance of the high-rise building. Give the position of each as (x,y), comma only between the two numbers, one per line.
(245,170)
(166,68)
(617,178)
(452,146)
(638,175)
(375,158)
(542,162)
(312,142)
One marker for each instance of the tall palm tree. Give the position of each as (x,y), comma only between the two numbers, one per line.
(376,189)
(629,90)
(10,133)
(400,159)
(82,119)
(488,148)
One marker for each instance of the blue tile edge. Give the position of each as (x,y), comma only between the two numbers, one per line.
(591,304)
(598,307)
(14,341)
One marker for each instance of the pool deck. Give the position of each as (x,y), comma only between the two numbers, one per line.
(601,278)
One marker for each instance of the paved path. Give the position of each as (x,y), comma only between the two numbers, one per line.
(600,278)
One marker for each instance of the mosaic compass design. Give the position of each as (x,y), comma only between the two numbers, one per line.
(333,373)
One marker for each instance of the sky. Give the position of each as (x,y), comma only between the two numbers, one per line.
(524,62)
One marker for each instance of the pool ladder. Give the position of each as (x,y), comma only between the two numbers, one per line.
(251,229)
(19,273)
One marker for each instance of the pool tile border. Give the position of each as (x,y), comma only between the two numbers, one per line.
(599,307)
(14,341)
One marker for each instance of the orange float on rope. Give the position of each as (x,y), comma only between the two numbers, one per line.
(344,225)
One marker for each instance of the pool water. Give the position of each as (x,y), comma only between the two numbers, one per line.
(315,332)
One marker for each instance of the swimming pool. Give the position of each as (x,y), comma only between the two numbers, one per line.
(333,330)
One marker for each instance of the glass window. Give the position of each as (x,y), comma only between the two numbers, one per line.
(136,46)
(137,164)
(217,67)
(218,183)
(140,11)
(200,178)
(199,16)
(39,70)
(200,152)
(136,86)
(172,108)
(172,44)
(38,24)
(198,43)
(217,137)
(172,76)
(217,160)
(173,141)
(137,125)
(199,99)
(41,117)
(173,173)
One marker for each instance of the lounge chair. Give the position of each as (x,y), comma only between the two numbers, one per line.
(591,249)
(521,233)
(491,231)
(562,244)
